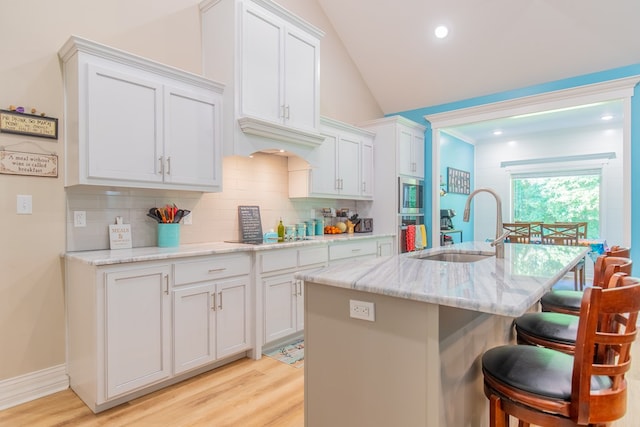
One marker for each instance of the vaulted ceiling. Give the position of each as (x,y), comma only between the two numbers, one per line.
(493,45)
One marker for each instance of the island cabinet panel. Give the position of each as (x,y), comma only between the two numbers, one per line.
(131,122)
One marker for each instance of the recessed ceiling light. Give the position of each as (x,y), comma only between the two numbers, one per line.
(606,117)
(497,132)
(441,31)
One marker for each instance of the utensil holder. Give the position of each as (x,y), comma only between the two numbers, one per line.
(168,235)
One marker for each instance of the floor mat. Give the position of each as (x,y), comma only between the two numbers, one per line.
(291,354)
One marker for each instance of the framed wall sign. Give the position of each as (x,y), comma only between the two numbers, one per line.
(250,224)
(33,164)
(28,124)
(458,181)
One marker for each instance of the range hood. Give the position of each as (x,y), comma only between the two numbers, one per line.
(258,135)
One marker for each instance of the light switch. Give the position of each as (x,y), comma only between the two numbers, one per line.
(25,204)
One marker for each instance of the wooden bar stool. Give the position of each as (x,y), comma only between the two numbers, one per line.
(558,330)
(546,387)
(566,301)
(619,251)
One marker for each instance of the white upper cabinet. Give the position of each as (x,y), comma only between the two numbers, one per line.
(131,122)
(270,59)
(342,167)
(410,151)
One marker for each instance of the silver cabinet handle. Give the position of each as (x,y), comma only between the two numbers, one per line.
(161,160)
(169,165)
(166,284)
(220,304)
(213,301)
(287,112)
(217,270)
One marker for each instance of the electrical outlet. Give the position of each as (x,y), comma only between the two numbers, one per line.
(188,220)
(362,310)
(79,218)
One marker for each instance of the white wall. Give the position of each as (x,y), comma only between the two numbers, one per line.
(489,155)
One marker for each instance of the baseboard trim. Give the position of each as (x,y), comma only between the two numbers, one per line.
(34,385)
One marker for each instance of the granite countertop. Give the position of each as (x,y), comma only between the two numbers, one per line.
(508,286)
(153,253)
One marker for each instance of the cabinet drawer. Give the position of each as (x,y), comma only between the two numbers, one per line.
(277,259)
(310,256)
(352,249)
(216,267)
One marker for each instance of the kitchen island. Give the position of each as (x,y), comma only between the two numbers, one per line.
(417,362)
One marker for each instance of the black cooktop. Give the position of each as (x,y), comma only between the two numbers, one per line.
(246,242)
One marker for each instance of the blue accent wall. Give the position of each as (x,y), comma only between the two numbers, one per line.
(455,153)
(417,115)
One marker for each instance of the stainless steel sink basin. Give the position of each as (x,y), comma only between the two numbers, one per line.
(454,257)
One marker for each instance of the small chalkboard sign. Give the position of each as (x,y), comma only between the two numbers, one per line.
(250,224)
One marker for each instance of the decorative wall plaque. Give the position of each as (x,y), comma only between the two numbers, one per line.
(458,181)
(34,164)
(28,124)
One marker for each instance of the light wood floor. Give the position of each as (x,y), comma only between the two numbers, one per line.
(245,393)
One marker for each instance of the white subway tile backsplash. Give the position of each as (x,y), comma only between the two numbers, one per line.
(261,180)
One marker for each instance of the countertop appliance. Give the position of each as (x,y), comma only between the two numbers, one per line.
(364,225)
(445,219)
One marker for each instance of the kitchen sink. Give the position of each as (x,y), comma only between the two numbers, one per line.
(454,257)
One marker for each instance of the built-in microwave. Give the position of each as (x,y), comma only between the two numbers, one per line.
(410,196)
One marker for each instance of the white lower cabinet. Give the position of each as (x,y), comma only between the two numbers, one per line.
(385,246)
(210,309)
(136,328)
(210,322)
(283,295)
(340,251)
(124,332)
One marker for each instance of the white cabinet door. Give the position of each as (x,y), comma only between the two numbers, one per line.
(280,301)
(232,316)
(385,246)
(324,176)
(366,169)
(262,56)
(417,150)
(193,327)
(279,70)
(349,182)
(301,93)
(137,328)
(124,110)
(192,125)
(210,322)
(410,152)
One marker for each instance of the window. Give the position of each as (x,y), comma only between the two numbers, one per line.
(561,196)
